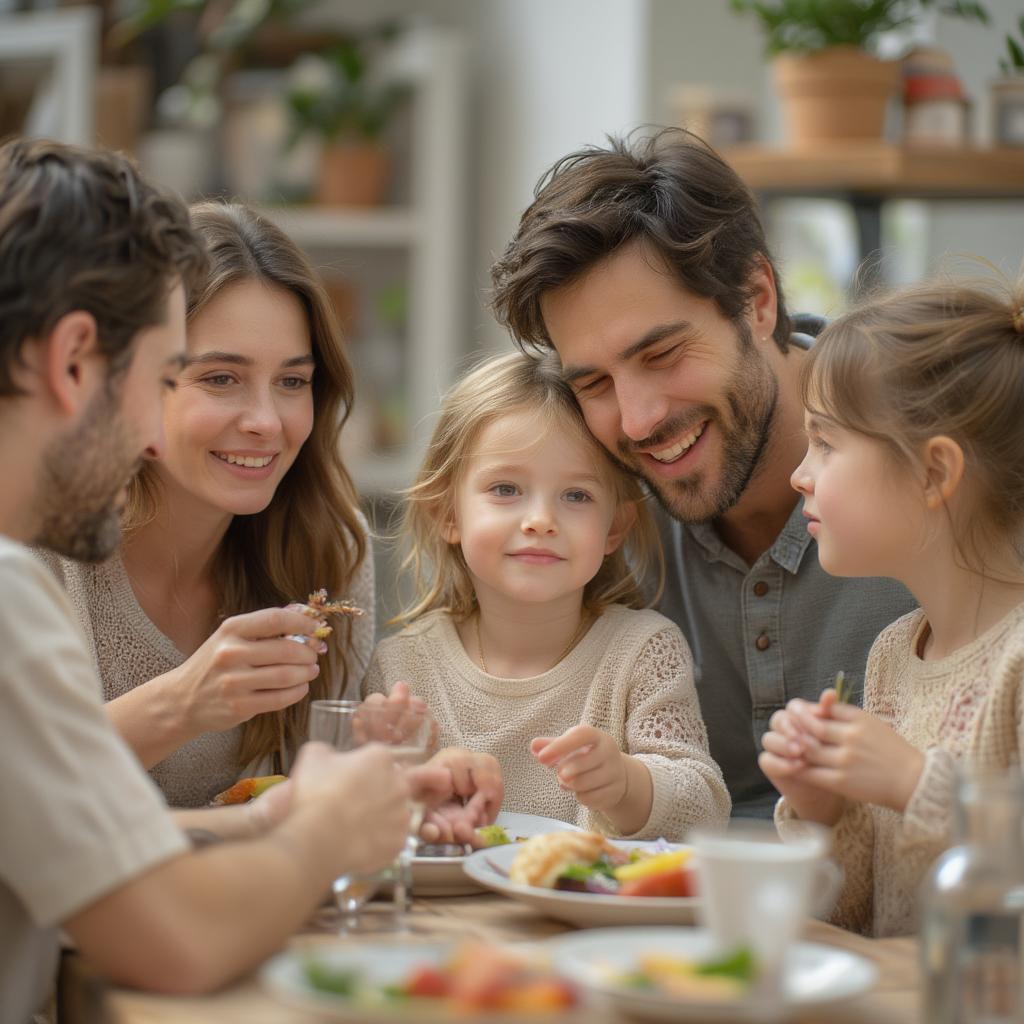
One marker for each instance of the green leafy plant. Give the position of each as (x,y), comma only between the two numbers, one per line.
(1013,64)
(804,26)
(337,95)
(225,32)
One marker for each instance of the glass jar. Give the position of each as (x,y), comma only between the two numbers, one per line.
(972,910)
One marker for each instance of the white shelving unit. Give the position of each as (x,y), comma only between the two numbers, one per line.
(59,49)
(429,232)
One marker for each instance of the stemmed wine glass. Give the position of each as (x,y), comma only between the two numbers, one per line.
(346,725)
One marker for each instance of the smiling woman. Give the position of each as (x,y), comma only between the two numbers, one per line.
(246,507)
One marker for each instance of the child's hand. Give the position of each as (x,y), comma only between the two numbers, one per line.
(854,754)
(399,701)
(476,779)
(589,764)
(783,763)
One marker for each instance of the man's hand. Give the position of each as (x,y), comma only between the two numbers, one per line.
(359,799)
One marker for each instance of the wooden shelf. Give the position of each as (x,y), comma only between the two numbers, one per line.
(334,227)
(882,169)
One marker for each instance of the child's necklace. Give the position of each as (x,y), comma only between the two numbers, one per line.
(585,621)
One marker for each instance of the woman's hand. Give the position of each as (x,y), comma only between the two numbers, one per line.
(252,664)
(853,754)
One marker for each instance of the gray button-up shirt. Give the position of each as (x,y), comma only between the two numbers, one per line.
(765,633)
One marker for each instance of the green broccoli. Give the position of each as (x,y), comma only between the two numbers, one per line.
(493,835)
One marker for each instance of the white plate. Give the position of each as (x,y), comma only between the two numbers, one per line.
(380,964)
(490,869)
(816,975)
(443,876)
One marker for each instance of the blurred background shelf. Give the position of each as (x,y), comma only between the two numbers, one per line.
(325,226)
(883,169)
(865,176)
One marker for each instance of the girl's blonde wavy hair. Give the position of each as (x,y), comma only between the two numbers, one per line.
(496,388)
(309,535)
(943,358)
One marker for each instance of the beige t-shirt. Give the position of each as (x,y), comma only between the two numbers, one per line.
(630,676)
(78,816)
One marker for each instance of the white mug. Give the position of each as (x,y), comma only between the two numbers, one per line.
(757,888)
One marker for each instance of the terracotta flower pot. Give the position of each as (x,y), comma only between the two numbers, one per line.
(353,174)
(834,94)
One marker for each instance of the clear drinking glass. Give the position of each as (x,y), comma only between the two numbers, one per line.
(347,725)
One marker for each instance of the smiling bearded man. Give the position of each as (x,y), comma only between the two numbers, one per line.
(644,265)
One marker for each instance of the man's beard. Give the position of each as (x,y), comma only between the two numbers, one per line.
(751,395)
(82,475)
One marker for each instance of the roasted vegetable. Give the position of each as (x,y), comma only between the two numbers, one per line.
(318,606)
(247,789)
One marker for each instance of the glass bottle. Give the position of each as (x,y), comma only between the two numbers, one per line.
(972,910)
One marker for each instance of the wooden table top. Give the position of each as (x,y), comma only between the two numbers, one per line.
(86,1000)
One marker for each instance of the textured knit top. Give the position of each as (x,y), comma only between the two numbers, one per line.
(966,708)
(631,676)
(129,650)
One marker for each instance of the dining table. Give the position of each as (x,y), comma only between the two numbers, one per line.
(84,998)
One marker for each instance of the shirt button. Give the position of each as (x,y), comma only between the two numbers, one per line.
(762,643)
(760,588)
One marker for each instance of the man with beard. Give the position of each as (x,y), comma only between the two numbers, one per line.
(645,266)
(93,266)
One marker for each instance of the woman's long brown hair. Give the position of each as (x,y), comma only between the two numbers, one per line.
(309,535)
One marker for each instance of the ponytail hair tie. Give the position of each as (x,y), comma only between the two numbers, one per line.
(1018,320)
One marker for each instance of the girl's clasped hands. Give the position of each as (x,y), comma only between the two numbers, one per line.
(819,755)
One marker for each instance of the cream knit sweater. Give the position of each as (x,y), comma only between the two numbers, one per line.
(130,650)
(965,708)
(631,676)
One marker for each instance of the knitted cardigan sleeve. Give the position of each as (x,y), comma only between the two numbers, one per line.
(665,731)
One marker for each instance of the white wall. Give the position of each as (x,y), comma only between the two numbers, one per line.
(555,75)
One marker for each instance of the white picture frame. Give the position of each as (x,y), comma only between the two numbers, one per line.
(56,53)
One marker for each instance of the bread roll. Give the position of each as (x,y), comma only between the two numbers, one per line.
(541,859)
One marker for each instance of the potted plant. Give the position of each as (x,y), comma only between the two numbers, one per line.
(831,85)
(1008,93)
(338,96)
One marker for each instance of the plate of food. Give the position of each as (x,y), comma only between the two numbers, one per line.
(423,982)
(676,974)
(586,879)
(437,871)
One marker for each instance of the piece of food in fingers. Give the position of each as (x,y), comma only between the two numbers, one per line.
(542,859)
(318,606)
(245,790)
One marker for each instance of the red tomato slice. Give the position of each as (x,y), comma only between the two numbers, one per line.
(428,982)
(677,882)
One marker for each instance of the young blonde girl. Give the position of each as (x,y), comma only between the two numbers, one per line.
(914,470)
(528,639)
